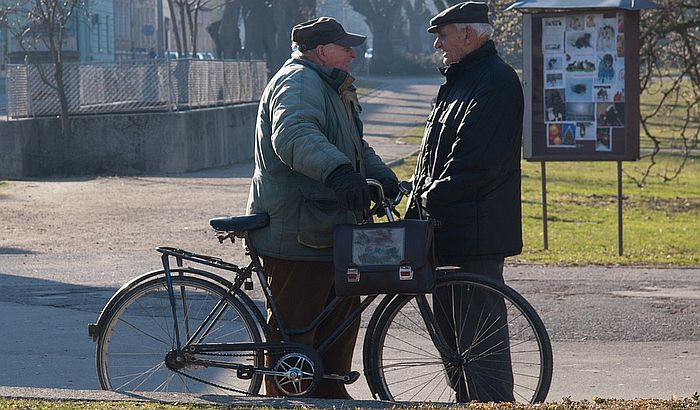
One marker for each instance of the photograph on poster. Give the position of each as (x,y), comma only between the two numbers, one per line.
(603,92)
(580,42)
(553,34)
(620,45)
(568,131)
(561,135)
(606,38)
(580,111)
(606,69)
(554,80)
(593,20)
(554,106)
(574,23)
(620,21)
(580,64)
(553,62)
(579,89)
(610,115)
(619,95)
(585,131)
(603,140)
(620,70)
(553,135)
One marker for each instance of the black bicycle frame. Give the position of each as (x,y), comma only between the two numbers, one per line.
(243,274)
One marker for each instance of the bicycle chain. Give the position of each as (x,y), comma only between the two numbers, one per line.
(189,376)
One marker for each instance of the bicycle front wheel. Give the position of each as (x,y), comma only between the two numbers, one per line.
(471,339)
(134,346)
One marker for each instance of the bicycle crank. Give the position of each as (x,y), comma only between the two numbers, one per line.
(297,374)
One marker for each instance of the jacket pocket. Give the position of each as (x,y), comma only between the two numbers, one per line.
(318,215)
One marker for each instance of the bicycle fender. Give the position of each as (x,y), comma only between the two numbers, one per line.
(95,328)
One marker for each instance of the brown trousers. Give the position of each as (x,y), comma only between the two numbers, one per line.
(301,290)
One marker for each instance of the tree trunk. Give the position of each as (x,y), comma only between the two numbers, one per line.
(173,23)
(183,26)
(228,32)
(55,42)
(192,24)
(384,19)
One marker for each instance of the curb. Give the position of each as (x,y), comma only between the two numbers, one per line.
(175,398)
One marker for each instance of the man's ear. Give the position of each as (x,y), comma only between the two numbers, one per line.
(321,53)
(468,35)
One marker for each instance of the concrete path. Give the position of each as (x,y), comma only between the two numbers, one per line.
(622,332)
(398,105)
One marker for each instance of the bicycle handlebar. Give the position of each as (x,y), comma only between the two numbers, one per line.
(389,204)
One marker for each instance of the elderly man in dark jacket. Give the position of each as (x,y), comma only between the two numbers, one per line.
(468,179)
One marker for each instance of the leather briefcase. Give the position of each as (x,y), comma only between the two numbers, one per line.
(393,257)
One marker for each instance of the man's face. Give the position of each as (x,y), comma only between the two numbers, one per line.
(336,56)
(454,43)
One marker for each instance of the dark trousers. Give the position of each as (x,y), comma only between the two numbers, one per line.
(302,289)
(487,374)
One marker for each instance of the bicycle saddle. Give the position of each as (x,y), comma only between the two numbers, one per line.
(240,223)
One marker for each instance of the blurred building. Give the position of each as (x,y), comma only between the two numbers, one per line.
(88,36)
(135,29)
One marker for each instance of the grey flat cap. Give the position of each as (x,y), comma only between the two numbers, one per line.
(467,12)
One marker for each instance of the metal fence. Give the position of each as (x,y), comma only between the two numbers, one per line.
(157,85)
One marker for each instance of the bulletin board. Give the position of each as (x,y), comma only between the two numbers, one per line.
(581,79)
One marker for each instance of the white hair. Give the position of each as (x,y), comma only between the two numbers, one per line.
(483,30)
(296,53)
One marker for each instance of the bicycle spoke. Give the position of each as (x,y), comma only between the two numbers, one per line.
(128,340)
(490,344)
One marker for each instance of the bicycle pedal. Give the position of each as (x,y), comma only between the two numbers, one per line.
(245,372)
(349,378)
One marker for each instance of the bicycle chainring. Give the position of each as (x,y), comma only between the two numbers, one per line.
(302,372)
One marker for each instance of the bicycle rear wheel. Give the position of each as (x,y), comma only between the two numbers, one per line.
(140,332)
(482,344)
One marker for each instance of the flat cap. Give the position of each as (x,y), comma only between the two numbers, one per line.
(467,12)
(323,30)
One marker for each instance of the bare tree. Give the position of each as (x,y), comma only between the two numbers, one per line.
(670,79)
(385,19)
(225,32)
(40,26)
(268,26)
(185,19)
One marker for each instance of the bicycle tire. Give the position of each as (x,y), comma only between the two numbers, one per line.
(139,332)
(406,365)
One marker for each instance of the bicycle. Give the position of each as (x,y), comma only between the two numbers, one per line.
(186,329)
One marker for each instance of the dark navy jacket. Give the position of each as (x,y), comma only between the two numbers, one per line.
(468,172)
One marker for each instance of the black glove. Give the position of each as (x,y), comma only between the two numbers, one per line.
(350,188)
(390,187)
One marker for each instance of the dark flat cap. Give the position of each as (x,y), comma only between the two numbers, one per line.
(323,30)
(467,12)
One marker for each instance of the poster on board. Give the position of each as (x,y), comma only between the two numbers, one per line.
(583,80)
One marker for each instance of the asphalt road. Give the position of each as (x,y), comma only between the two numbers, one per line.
(67,244)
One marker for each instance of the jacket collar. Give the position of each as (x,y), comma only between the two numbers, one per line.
(339,80)
(486,50)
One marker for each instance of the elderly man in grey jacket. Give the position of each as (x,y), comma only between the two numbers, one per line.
(310,168)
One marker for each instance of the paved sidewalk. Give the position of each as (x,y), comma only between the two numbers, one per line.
(396,107)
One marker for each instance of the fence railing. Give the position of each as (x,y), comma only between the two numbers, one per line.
(154,85)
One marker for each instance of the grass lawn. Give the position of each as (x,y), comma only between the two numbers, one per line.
(661,222)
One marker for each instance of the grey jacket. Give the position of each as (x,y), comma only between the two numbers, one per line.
(303,133)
